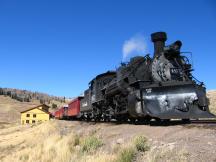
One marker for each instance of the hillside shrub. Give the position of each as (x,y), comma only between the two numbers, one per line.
(126,155)
(141,143)
(90,144)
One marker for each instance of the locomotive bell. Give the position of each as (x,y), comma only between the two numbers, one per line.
(158,39)
(177,45)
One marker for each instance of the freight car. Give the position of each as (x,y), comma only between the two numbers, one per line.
(58,114)
(161,87)
(61,113)
(73,111)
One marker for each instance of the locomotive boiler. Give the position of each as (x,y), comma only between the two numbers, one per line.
(159,87)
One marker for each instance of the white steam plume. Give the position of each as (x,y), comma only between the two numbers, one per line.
(136,45)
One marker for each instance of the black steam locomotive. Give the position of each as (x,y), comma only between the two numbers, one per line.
(161,87)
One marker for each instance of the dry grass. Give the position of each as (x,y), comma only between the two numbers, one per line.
(141,143)
(166,154)
(10,108)
(47,143)
(51,142)
(126,154)
(212,98)
(90,144)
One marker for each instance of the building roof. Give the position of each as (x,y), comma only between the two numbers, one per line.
(37,107)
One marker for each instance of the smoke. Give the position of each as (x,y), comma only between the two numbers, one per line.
(136,45)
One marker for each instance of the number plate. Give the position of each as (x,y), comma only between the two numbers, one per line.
(175,71)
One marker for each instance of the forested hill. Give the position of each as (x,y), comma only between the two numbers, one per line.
(29,96)
(13,101)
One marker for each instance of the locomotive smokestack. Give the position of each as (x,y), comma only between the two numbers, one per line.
(159,39)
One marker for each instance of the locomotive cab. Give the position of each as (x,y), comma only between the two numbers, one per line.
(97,84)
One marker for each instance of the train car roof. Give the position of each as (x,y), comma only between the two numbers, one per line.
(103,74)
(74,99)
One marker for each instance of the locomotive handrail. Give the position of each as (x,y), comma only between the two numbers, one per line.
(191,54)
(201,83)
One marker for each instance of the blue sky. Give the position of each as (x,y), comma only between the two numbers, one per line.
(57,47)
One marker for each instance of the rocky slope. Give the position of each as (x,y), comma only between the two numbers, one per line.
(212,98)
(73,141)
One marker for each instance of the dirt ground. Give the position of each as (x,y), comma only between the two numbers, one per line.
(197,142)
(191,142)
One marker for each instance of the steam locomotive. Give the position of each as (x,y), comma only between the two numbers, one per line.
(145,88)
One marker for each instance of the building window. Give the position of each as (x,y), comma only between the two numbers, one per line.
(33,121)
(27,115)
(27,121)
(34,115)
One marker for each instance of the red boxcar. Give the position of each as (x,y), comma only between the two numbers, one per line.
(59,113)
(71,111)
(74,107)
(55,114)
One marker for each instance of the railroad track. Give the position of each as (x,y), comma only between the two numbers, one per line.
(161,123)
(207,122)
(203,121)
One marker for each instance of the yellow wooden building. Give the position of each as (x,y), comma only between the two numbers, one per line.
(35,114)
